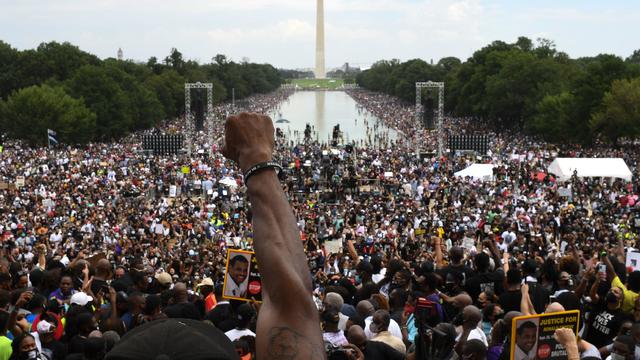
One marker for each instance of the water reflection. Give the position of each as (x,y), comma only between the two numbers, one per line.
(325,109)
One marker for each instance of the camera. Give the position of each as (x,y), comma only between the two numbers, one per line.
(335,352)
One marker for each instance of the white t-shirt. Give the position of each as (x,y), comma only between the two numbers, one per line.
(237,334)
(394,328)
(477,334)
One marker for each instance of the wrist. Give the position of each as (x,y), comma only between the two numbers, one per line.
(247,161)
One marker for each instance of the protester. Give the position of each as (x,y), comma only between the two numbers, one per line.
(106,236)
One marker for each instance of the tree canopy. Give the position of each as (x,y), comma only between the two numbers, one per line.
(113,97)
(527,86)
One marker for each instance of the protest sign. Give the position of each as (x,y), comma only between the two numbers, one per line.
(242,279)
(532,336)
(173,190)
(19,181)
(4,185)
(633,260)
(333,246)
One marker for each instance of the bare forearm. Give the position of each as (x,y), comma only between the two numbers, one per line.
(289,316)
(276,239)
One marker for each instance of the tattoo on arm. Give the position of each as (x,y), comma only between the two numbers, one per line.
(285,343)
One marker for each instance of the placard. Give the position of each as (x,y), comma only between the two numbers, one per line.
(333,246)
(173,190)
(532,336)
(633,260)
(242,280)
(20,181)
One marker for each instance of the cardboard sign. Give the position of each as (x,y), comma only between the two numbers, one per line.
(633,260)
(173,190)
(185,170)
(242,280)
(532,336)
(333,246)
(4,186)
(19,181)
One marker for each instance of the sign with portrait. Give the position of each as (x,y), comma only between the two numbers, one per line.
(242,280)
(532,336)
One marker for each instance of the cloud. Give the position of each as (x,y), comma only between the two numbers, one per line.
(283,31)
(287,30)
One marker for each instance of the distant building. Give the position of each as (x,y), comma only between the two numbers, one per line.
(120,54)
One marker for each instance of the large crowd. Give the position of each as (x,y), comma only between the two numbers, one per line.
(100,239)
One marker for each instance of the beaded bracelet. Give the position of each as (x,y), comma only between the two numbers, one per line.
(260,166)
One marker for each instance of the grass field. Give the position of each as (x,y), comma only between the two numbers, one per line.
(318,83)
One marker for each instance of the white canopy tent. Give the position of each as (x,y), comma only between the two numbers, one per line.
(563,168)
(482,172)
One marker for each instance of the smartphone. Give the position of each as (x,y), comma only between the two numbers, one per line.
(602,268)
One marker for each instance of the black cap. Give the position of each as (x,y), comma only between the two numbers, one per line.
(365,266)
(174,339)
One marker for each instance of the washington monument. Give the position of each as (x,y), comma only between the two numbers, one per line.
(320,70)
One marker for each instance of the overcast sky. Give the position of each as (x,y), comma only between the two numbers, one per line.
(282,32)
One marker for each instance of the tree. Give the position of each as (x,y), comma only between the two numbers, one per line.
(105,98)
(28,113)
(174,59)
(620,112)
(553,117)
(8,79)
(634,58)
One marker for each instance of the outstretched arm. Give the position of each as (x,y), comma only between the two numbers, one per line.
(288,321)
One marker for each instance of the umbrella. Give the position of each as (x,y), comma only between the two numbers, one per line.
(280,121)
(174,339)
(229,182)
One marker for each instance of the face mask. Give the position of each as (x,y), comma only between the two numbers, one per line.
(33,354)
(612,298)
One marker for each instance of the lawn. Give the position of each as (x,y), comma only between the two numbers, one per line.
(318,83)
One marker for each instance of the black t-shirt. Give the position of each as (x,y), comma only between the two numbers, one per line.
(184,310)
(510,300)
(463,271)
(604,326)
(377,350)
(77,343)
(539,296)
(485,281)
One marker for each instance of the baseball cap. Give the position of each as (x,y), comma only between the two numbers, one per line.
(164,278)
(44,327)
(81,298)
(205,282)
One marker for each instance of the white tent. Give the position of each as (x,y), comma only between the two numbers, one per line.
(229,182)
(563,168)
(482,172)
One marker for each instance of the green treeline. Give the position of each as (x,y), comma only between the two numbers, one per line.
(528,87)
(60,87)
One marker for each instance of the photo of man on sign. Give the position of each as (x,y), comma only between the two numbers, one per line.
(237,278)
(526,339)
(242,280)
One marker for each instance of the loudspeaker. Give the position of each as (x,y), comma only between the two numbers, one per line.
(428,113)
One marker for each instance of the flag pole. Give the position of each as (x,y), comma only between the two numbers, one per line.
(48,141)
